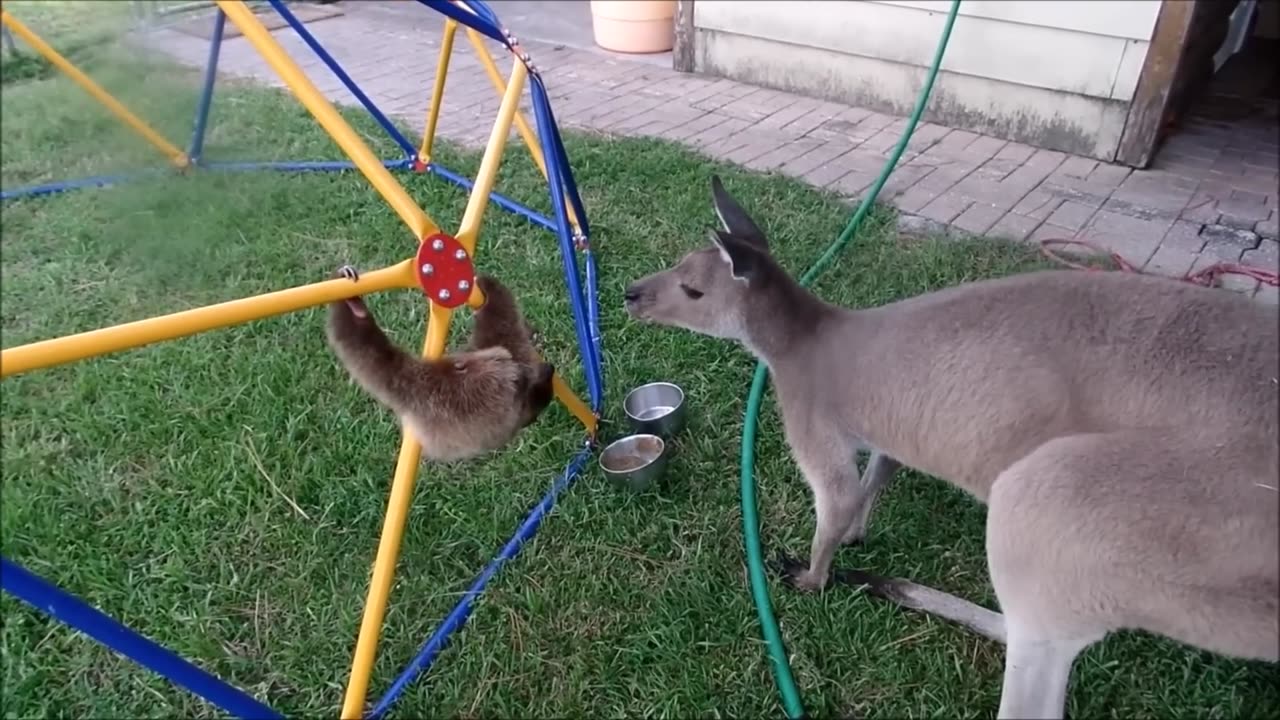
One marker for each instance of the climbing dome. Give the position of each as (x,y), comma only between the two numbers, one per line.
(444,293)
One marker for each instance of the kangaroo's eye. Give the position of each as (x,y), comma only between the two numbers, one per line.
(693,294)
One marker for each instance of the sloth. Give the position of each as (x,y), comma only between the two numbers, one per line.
(463,404)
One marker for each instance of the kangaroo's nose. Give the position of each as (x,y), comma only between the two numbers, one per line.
(631,294)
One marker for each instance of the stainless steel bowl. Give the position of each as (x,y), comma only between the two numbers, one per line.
(656,408)
(634,462)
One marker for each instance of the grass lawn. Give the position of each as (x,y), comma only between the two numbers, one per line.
(153,482)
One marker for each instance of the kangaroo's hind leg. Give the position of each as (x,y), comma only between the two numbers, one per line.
(1037,668)
(832,476)
(1034,553)
(879,472)
(1145,529)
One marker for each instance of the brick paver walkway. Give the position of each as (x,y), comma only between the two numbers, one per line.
(1211,197)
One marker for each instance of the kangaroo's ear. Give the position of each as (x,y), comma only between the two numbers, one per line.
(742,257)
(733,218)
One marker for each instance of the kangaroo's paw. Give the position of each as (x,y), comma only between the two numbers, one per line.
(795,572)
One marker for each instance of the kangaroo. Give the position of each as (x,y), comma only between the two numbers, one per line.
(1121,429)
(460,405)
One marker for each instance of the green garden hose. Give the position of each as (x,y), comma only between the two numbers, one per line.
(787,689)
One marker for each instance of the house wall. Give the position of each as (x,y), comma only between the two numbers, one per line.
(1056,74)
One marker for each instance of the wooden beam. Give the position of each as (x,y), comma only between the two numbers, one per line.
(682,53)
(1146,110)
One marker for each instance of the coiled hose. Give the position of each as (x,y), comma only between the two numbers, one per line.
(783,678)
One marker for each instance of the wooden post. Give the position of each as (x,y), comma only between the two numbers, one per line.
(682,53)
(1146,110)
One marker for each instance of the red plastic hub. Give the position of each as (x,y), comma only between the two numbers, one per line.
(445,271)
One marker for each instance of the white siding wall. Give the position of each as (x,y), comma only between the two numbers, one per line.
(1054,73)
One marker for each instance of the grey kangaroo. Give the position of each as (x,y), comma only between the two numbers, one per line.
(1121,429)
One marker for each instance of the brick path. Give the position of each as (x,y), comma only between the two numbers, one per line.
(1211,197)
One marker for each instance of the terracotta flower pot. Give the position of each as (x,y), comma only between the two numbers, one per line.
(634,26)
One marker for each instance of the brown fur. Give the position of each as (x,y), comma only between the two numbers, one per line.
(463,404)
(1122,430)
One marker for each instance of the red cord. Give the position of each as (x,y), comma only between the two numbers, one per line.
(1206,276)
(1115,257)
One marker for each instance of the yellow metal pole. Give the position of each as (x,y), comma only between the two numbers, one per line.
(574,404)
(437,92)
(383,573)
(487,175)
(384,565)
(522,126)
(406,466)
(176,156)
(469,228)
(500,85)
(93,343)
(333,123)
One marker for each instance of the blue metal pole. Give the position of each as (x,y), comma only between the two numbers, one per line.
(64,607)
(65,185)
(302,166)
(593,322)
(462,610)
(566,171)
(328,59)
(591,299)
(487,25)
(591,363)
(206,92)
(106,180)
(500,200)
(484,11)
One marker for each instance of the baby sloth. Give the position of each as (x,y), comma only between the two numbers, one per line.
(463,404)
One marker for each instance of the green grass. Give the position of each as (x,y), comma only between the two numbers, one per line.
(154,482)
(76,29)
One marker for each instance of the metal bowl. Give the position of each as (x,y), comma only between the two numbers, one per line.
(635,461)
(656,409)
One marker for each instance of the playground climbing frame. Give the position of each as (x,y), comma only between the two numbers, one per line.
(568,223)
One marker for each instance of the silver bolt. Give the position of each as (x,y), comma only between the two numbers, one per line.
(437,245)
(460,254)
(444,294)
(463,285)
(428,268)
